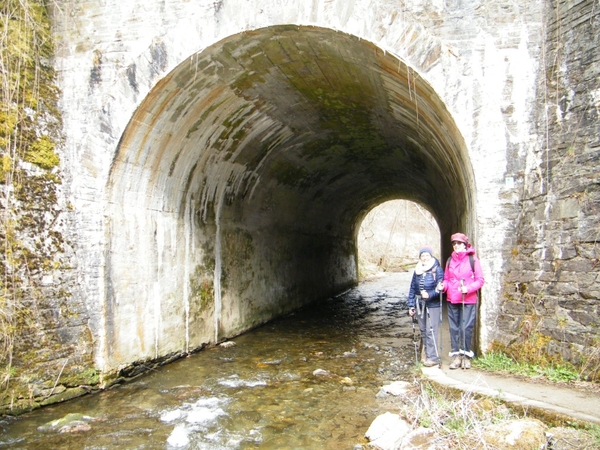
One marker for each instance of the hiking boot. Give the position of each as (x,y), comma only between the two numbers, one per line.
(456,363)
(466,362)
(430,363)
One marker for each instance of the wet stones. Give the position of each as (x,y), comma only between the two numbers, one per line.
(322,373)
(227,344)
(396,388)
(71,423)
(387,431)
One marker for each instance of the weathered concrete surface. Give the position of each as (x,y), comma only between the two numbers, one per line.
(227,171)
(220,155)
(214,152)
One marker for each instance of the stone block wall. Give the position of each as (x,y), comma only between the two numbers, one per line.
(552,286)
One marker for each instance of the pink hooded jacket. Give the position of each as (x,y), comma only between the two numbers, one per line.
(460,268)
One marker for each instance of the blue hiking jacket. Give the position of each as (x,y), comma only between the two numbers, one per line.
(426,281)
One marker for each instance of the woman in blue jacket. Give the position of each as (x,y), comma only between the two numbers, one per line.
(424,303)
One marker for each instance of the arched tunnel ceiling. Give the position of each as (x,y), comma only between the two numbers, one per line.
(293,125)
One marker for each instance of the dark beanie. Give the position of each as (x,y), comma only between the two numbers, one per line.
(426,250)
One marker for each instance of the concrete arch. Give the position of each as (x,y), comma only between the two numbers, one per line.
(239,182)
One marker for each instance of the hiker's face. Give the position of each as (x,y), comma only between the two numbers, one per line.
(425,257)
(459,246)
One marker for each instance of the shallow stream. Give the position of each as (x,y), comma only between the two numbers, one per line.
(305,381)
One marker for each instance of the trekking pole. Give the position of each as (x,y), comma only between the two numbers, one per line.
(464,338)
(437,355)
(441,293)
(414,320)
(440,325)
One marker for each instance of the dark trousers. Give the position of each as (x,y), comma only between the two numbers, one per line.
(461,320)
(429,322)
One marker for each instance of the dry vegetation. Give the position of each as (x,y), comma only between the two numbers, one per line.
(466,421)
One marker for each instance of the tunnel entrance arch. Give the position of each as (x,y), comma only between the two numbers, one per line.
(238,183)
(390,236)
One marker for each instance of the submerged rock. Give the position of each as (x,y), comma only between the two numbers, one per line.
(321,373)
(347,381)
(396,388)
(70,423)
(75,427)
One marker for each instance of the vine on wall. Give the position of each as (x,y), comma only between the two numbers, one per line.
(30,131)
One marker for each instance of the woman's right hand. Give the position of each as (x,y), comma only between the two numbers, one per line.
(440,286)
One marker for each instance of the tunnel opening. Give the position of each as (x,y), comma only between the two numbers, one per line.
(240,181)
(390,236)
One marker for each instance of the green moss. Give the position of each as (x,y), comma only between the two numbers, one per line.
(8,123)
(64,396)
(108,378)
(42,153)
(289,173)
(88,377)
(30,131)
(5,166)
(201,287)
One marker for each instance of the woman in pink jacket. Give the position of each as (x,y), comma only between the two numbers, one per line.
(462,279)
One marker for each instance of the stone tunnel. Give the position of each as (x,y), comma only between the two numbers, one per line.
(240,181)
(218,156)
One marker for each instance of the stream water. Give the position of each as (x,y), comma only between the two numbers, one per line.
(306,381)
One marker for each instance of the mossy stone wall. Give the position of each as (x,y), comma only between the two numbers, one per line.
(44,339)
(552,286)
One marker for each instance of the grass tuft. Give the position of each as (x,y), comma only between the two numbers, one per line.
(496,361)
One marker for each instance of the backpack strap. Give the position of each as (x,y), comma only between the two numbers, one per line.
(432,272)
(471,260)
